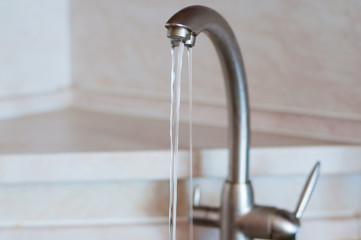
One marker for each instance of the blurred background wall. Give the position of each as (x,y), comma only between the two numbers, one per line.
(302,61)
(34,56)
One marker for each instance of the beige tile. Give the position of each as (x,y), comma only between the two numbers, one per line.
(156,232)
(35,104)
(274,163)
(323,229)
(35,47)
(304,60)
(74,130)
(119,202)
(82,204)
(343,229)
(276,123)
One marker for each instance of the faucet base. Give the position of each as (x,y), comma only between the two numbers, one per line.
(237,201)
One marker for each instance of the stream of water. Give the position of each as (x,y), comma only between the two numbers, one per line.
(190,100)
(177,50)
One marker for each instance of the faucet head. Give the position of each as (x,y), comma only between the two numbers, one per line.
(179,33)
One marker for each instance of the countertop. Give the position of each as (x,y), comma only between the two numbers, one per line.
(74,130)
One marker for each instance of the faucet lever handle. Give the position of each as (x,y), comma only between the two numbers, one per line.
(196,196)
(307,190)
(204,215)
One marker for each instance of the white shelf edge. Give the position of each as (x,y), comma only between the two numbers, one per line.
(122,166)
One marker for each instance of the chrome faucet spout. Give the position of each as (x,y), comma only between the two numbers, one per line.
(238,217)
(190,22)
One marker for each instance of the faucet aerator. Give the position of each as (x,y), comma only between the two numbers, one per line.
(181,34)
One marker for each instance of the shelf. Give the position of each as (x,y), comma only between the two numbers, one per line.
(74,130)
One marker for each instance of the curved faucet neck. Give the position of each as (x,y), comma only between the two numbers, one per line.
(197,19)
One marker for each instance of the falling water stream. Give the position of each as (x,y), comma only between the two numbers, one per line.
(177,50)
(190,100)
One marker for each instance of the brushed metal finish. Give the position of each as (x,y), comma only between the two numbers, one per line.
(269,223)
(199,19)
(236,201)
(202,215)
(206,216)
(307,190)
(238,217)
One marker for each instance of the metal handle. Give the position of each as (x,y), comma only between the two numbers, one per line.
(204,215)
(307,190)
(196,196)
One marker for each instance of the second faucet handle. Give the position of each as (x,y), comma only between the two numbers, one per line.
(196,196)
(204,215)
(307,190)
(279,224)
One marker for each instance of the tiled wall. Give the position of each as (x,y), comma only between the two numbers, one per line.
(302,59)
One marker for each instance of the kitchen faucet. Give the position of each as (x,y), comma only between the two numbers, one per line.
(238,217)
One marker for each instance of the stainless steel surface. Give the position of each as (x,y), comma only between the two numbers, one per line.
(236,202)
(307,190)
(206,216)
(199,19)
(238,217)
(269,223)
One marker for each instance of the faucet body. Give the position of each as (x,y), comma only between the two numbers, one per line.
(197,19)
(238,217)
